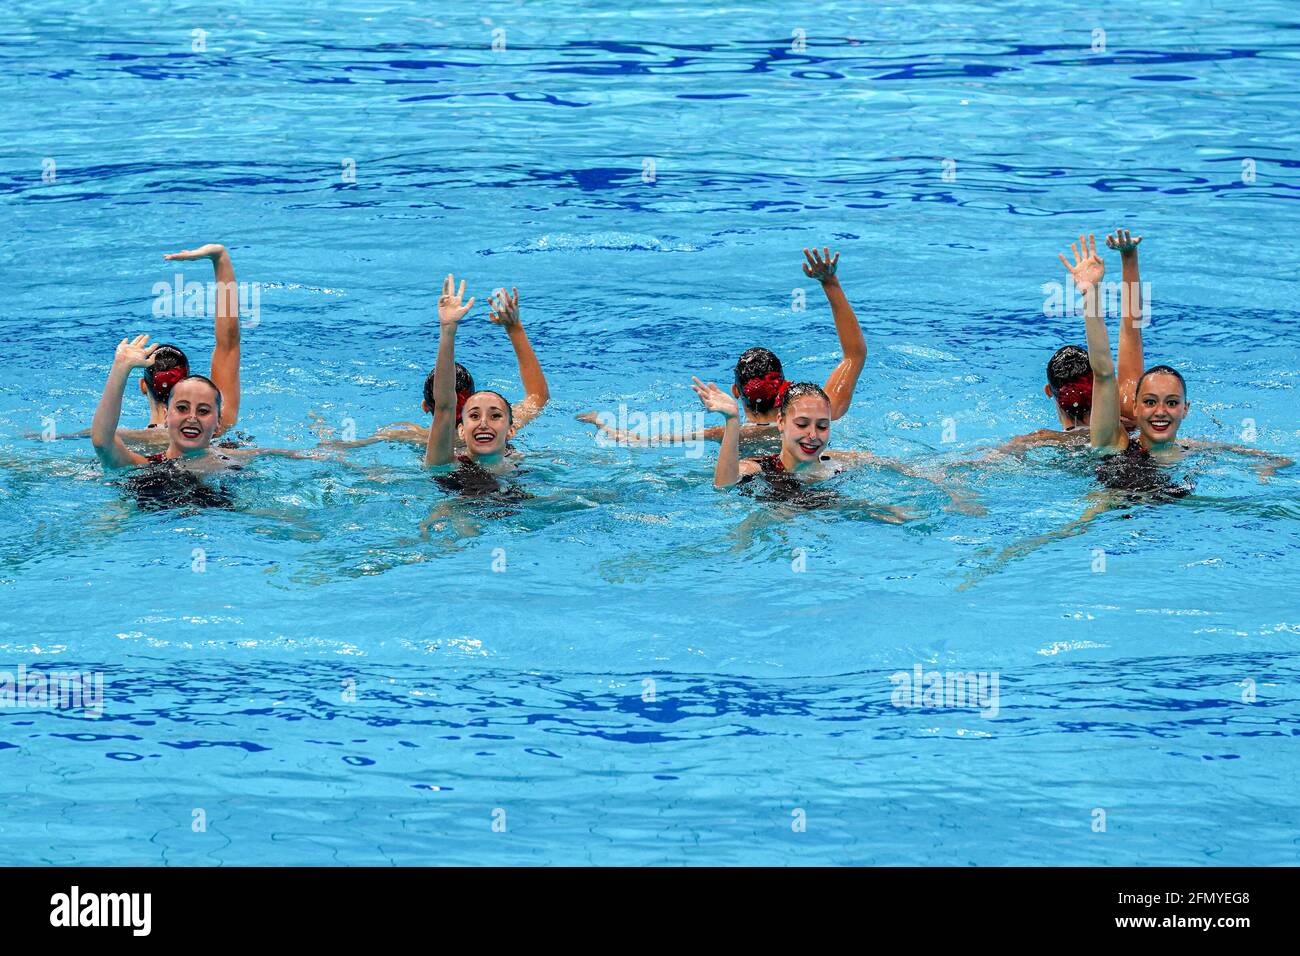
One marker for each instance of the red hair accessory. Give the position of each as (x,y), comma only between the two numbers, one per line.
(461,399)
(1076,393)
(164,380)
(771,387)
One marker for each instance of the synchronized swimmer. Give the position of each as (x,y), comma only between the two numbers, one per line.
(1128,415)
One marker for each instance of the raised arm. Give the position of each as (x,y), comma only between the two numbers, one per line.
(844,377)
(1104,428)
(225,354)
(504,311)
(132,354)
(728,469)
(442,434)
(1131,361)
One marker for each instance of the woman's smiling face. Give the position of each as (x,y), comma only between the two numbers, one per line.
(192,415)
(1161,407)
(485,423)
(806,427)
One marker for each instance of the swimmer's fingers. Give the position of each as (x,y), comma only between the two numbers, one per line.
(461,294)
(1092,246)
(1064,261)
(835,263)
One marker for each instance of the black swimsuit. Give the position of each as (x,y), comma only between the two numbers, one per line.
(161,485)
(471,480)
(784,487)
(1134,472)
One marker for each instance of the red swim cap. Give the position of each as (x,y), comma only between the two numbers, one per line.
(163,381)
(1076,394)
(769,387)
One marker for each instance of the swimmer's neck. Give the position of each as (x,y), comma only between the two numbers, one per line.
(174,452)
(157,413)
(1161,450)
(762,418)
(494,463)
(794,466)
(1070,424)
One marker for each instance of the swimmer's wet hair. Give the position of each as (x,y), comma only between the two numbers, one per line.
(510,409)
(1165,370)
(755,364)
(197,378)
(464,384)
(799,390)
(165,358)
(1069,362)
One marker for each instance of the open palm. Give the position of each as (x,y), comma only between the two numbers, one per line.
(1088,267)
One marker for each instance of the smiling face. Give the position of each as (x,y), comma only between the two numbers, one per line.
(485,424)
(1161,407)
(192,415)
(806,427)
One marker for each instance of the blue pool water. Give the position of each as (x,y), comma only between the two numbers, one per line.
(334,687)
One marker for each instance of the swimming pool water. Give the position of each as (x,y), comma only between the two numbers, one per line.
(655,672)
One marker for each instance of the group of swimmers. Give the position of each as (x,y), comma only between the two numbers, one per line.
(1128,414)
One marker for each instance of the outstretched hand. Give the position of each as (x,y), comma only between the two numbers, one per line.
(504,309)
(135,353)
(1088,267)
(1124,242)
(210,251)
(715,399)
(450,309)
(820,265)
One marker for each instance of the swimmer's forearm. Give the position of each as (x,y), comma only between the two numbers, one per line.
(530,369)
(227,319)
(438,449)
(1099,357)
(225,329)
(1274,460)
(1104,428)
(727,470)
(1131,360)
(844,378)
(103,429)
